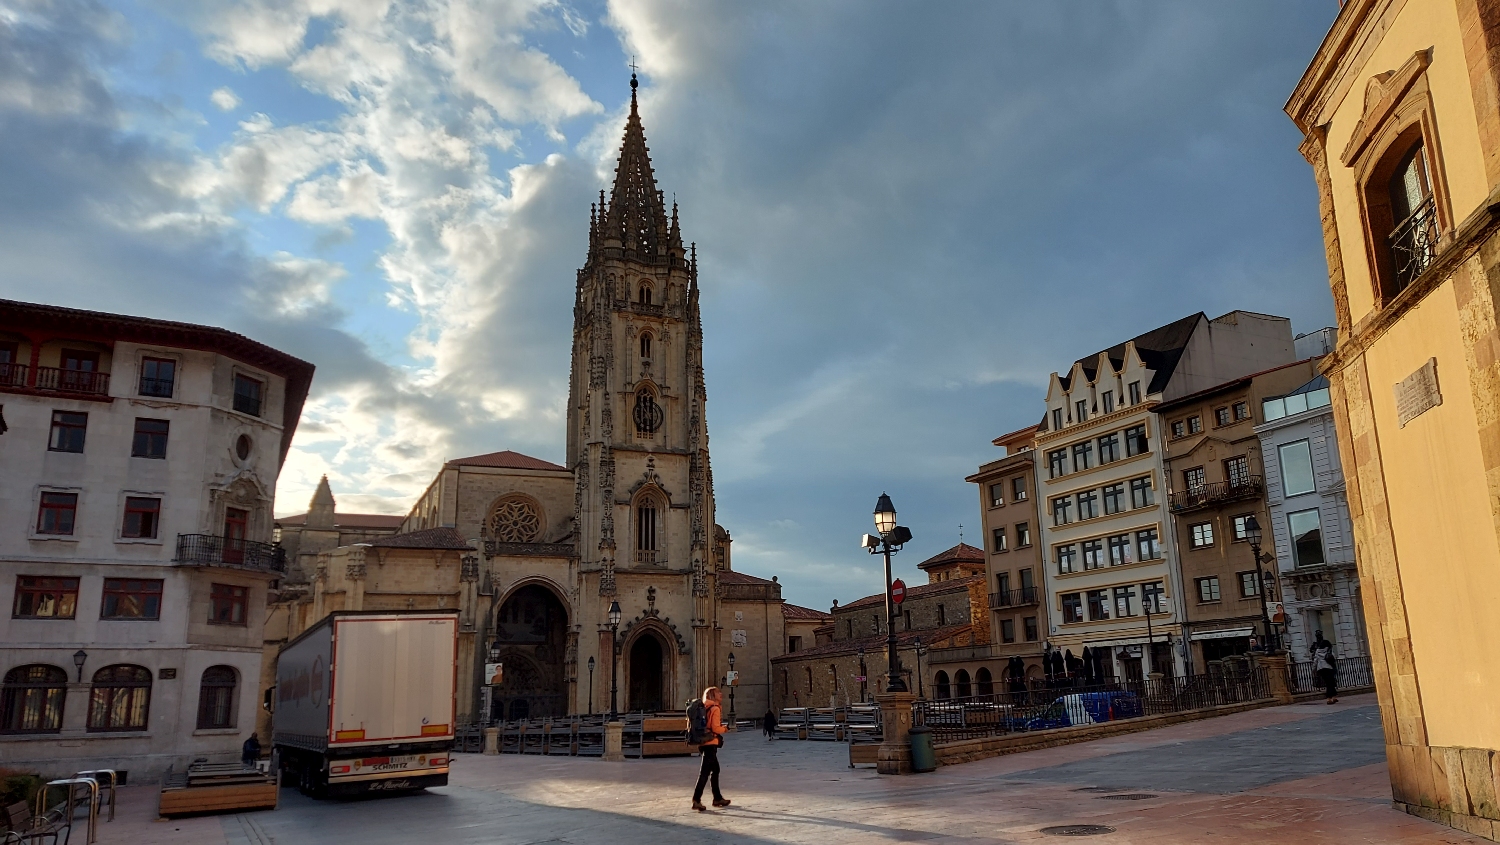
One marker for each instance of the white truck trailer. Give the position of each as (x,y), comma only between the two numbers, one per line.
(365,702)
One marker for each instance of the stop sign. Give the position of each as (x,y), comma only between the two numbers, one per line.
(898,591)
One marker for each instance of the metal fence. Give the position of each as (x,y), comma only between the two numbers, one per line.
(1354,673)
(1003,713)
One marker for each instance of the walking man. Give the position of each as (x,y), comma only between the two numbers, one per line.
(1327,670)
(768,722)
(250,751)
(709,772)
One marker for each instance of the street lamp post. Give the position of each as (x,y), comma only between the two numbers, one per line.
(79,658)
(732,679)
(591,686)
(1252,533)
(892,538)
(920,650)
(614,661)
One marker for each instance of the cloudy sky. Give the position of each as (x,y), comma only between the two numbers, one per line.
(907,216)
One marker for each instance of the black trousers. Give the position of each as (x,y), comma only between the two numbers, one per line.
(1330,681)
(708,773)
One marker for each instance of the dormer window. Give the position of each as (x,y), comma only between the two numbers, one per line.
(1081,410)
(1057,420)
(1135,393)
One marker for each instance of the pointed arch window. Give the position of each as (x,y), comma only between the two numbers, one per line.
(645,295)
(646,345)
(646,525)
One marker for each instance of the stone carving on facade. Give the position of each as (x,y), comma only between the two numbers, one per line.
(515,520)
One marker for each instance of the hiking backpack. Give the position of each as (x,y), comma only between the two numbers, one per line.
(697,716)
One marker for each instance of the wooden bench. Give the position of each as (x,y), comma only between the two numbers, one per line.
(30,829)
(218,789)
(864,754)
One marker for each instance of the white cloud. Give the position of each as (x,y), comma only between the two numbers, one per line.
(225,99)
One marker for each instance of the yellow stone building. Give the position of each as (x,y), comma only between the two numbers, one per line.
(1401,112)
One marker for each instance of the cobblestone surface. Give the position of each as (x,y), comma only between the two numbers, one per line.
(1303,773)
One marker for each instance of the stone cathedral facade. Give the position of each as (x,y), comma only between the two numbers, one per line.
(534,553)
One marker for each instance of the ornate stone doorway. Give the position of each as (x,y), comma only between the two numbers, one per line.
(531,635)
(647,674)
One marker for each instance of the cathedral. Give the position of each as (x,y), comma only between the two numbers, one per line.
(535,554)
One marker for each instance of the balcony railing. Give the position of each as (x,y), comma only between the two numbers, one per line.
(1203,495)
(1414,244)
(648,557)
(13,375)
(213,550)
(1014,598)
(72,381)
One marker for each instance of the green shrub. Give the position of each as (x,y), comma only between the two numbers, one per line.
(17,786)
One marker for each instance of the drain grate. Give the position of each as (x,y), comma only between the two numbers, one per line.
(1096,789)
(1128,796)
(1077,830)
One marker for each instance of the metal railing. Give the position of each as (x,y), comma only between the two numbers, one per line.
(1353,673)
(1203,495)
(1414,243)
(1004,713)
(214,550)
(1014,598)
(159,387)
(72,381)
(647,557)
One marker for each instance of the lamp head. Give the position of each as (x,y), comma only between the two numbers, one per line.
(614,613)
(885,515)
(591,664)
(1252,530)
(731,660)
(79,657)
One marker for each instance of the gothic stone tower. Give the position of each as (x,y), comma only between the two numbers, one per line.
(638,444)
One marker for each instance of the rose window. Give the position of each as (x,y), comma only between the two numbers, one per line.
(515,521)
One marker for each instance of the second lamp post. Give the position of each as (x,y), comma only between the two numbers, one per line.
(892,537)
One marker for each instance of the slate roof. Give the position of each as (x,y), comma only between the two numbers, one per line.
(1160,349)
(953,585)
(875,643)
(430,538)
(350,520)
(506,460)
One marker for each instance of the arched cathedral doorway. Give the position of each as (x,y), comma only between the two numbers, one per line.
(647,674)
(531,635)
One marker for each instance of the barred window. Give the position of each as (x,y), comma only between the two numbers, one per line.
(32,699)
(216,697)
(120,698)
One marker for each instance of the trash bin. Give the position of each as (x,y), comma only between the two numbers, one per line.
(923,755)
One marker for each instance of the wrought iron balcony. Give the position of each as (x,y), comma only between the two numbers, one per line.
(1205,495)
(72,381)
(1414,244)
(213,550)
(1015,598)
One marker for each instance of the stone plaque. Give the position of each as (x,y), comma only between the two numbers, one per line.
(1417,393)
(167,674)
(738,638)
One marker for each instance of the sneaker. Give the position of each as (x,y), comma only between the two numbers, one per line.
(698,805)
(721,802)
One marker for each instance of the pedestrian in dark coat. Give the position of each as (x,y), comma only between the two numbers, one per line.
(1326,668)
(768,722)
(250,751)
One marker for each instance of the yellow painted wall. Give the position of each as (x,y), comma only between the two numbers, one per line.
(1440,516)
(1421,24)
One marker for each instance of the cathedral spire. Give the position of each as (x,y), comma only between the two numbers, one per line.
(636,216)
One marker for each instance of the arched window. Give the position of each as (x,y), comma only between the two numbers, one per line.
(985,681)
(216,697)
(120,699)
(645,530)
(646,345)
(961,680)
(32,699)
(940,682)
(647,414)
(645,295)
(1414,232)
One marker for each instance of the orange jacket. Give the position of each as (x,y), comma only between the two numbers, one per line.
(716,729)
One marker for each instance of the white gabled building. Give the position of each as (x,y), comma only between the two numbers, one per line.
(138,465)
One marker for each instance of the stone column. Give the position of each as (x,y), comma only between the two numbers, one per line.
(894,757)
(492,740)
(614,742)
(1276,684)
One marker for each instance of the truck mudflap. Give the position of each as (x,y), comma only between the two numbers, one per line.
(387,783)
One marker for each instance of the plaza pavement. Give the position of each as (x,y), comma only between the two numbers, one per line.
(1305,773)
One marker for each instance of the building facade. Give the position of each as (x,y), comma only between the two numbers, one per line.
(303,536)
(1308,523)
(629,518)
(1216,480)
(139,458)
(1013,559)
(1113,576)
(1399,112)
